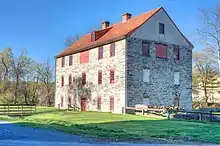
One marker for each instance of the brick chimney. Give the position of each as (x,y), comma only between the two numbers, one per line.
(105,24)
(126,17)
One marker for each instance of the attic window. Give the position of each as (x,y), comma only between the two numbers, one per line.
(161,28)
(93,36)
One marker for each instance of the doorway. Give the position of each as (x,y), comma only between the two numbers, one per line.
(83,104)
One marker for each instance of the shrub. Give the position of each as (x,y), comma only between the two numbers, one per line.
(196,116)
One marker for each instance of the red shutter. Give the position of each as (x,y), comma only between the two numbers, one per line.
(99,102)
(112,76)
(62,81)
(112,49)
(70,80)
(111,103)
(100,77)
(161,51)
(84,57)
(83,78)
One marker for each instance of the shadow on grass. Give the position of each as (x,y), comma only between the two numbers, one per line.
(147,131)
(45,112)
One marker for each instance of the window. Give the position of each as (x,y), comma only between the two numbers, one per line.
(70,60)
(146,75)
(62,81)
(161,51)
(145,49)
(161,28)
(111,103)
(176,78)
(70,80)
(84,57)
(112,76)
(112,49)
(176,53)
(146,100)
(93,36)
(61,102)
(99,103)
(100,77)
(100,55)
(63,61)
(83,78)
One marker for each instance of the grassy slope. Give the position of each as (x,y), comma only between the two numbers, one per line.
(121,126)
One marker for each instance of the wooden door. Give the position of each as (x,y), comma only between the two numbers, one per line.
(83,104)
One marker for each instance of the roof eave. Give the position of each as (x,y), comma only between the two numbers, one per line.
(92,46)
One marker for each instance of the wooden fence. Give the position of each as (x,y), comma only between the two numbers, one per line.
(128,110)
(17,109)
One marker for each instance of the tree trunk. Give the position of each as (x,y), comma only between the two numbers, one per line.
(16,89)
(206,95)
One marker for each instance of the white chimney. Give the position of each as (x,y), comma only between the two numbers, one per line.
(126,17)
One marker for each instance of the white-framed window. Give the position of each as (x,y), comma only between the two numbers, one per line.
(176,78)
(146,75)
(146,100)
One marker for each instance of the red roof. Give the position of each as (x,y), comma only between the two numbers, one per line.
(113,33)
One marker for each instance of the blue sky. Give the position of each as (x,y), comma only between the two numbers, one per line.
(41,26)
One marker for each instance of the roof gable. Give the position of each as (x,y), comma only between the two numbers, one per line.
(150,30)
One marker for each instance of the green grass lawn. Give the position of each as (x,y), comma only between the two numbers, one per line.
(115,126)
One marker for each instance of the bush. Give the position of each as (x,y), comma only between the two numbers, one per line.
(186,116)
(196,116)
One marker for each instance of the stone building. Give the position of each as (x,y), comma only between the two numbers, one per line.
(141,60)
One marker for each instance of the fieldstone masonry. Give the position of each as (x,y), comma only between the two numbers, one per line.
(161,89)
(104,90)
(129,88)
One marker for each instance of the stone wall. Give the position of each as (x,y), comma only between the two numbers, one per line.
(161,89)
(104,90)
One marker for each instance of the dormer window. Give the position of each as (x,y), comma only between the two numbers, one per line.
(93,36)
(161,28)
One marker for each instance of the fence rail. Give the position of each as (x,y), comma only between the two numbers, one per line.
(17,109)
(142,110)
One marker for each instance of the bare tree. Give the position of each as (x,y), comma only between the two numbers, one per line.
(20,67)
(5,63)
(210,30)
(29,84)
(45,72)
(205,72)
(5,67)
(23,80)
(71,39)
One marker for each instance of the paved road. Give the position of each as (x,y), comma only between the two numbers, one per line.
(13,135)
